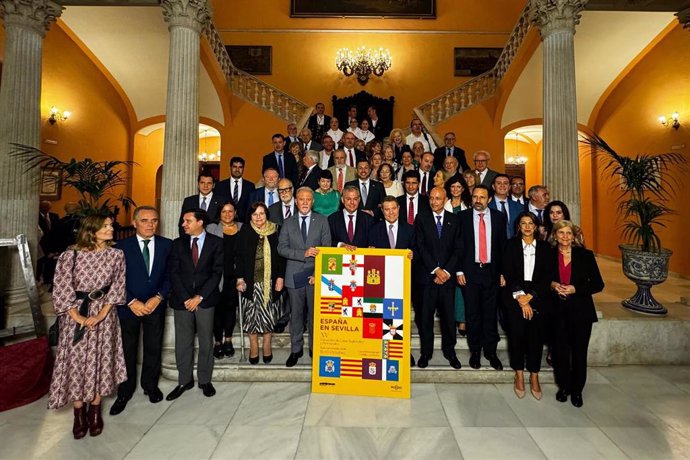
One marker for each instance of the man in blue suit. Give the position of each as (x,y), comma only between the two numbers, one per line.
(146,259)
(351,226)
(501,202)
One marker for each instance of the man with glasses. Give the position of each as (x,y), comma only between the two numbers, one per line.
(450,150)
(481,168)
(517,190)
(418,135)
(285,207)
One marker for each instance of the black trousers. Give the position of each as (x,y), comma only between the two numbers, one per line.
(571,341)
(525,338)
(480,294)
(226,312)
(152,326)
(417,296)
(442,299)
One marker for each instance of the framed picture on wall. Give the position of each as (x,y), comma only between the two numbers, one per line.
(255,60)
(470,62)
(423,9)
(50,184)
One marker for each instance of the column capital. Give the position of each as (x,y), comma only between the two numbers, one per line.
(192,14)
(33,14)
(684,18)
(555,15)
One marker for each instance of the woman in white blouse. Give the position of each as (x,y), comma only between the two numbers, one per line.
(387,177)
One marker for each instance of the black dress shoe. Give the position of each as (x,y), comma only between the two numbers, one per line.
(228,349)
(454,362)
(279,328)
(562,396)
(411,361)
(254,360)
(208,389)
(119,405)
(576,400)
(311,354)
(292,359)
(475,360)
(155,395)
(495,362)
(268,358)
(178,390)
(218,351)
(422,362)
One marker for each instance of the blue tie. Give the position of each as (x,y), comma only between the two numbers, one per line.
(270,198)
(281,170)
(438,225)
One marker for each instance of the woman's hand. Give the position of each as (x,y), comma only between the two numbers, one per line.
(241,286)
(279,284)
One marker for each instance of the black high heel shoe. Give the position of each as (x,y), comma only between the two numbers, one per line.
(268,358)
(254,360)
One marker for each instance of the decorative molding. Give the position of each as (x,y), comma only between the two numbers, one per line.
(684,18)
(191,14)
(36,15)
(363,31)
(556,15)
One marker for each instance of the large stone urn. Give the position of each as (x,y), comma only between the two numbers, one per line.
(646,269)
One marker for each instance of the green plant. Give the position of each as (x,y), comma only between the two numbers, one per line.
(647,183)
(94,180)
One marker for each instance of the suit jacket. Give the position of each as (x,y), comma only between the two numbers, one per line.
(259,195)
(289,141)
(381,129)
(292,247)
(245,259)
(586,278)
(514,274)
(187,281)
(331,162)
(489,179)
(434,251)
(212,208)
(375,195)
(514,209)
(467,264)
(440,156)
(349,175)
(317,130)
(50,240)
(225,187)
(403,201)
(338,226)
(404,239)
(275,211)
(311,179)
(140,284)
(313,146)
(291,170)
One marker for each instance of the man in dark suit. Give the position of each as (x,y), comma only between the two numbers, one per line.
(285,207)
(210,202)
(412,203)
(426,174)
(349,116)
(450,150)
(352,155)
(268,194)
(307,142)
(377,126)
(350,227)
(481,165)
(311,171)
(501,202)
(237,188)
(437,235)
(195,269)
(278,159)
(148,285)
(49,223)
(326,159)
(483,236)
(371,192)
(292,135)
(319,123)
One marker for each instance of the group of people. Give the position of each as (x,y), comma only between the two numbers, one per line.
(481,252)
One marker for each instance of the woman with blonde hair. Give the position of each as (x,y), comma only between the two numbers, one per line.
(397,138)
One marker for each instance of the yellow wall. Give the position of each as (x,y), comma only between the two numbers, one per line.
(658,84)
(148,153)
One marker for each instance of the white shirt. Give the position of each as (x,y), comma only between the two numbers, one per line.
(335,135)
(529,252)
(347,215)
(519,199)
(152,248)
(534,210)
(498,206)
(290,205)
(415,203)
(347,157)
(449,207)
(482,174)
(324,158)
(319,119)
(307,145)
(429,145)
(487,221)
(234,181)
(307,222)
(208,200)
(276,199)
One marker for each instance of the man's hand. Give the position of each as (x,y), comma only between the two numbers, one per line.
(368,211)
(461,280)
(524,299)
(349,247)
(410,255)
(138,308)
(193,303)
(240,285)
(442,275)
(279,284)
(311,252)
(502,282)
(311,281)
(152,304)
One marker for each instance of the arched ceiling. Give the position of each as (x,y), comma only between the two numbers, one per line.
(132,43)
(605,43)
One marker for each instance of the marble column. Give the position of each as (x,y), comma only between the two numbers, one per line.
(556,20)
(186,19)
(684,18)
(26,23)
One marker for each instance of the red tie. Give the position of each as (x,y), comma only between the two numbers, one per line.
(352,159)
(410,212)
(340,180)
(350,229)
(483,257)
(195,251)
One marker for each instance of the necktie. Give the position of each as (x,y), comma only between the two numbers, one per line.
(340,180)
(483,255)
(350,229)
(204,206)
(303,228)
(236,192)
(539,212)
(410,212)
(281,170)
(195,251)
(270,198)
(365,194)
(351,157)
(505,211)
(439,227)
(147,256)
(424,185)
(288,211)
(391,237)
(449,153)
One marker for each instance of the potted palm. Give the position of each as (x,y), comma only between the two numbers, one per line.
(646,184)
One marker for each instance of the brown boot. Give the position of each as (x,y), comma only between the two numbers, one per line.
(80,426)
(95,420)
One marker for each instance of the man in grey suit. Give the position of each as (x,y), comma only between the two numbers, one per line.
(299,238)
(481,164)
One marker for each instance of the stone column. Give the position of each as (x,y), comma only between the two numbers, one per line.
(556,20)
(26,23)
(186,19)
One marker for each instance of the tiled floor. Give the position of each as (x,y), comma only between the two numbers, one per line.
(629,412)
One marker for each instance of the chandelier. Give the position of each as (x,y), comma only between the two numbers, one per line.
(363,62)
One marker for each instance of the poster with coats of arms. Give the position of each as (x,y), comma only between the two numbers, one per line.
(362,308)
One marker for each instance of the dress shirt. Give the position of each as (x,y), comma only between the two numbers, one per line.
(199,243)
(498,206)
(208,200)
(415,203)
(275,195)
(325,158)
(429,145)
(320,119)
(441,214)
(534,210)
(529,252)
(353,163)
(519,199)
(307,146)
(395,230)
(346,216)
(487,222)
(290,205)
(234,181)
(481,174)
(152,248)
(367,184)
(429,180)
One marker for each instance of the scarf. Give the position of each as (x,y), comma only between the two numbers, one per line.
(269,229)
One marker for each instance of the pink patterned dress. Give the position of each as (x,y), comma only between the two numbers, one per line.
(95,365)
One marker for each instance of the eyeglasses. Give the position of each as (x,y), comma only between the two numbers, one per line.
(517,184)
(284,190)
(480,161)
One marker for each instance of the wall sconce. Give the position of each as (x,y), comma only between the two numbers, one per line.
(363,62)
(56,115)
(674,121)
